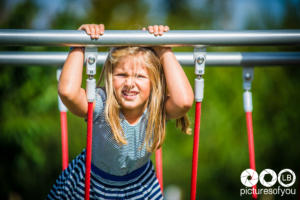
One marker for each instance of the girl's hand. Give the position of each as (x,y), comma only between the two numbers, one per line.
(158,30)
(94,30)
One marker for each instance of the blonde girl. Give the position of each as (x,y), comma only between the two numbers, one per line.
(143,88)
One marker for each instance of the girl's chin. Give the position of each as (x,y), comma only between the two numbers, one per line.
(130,105)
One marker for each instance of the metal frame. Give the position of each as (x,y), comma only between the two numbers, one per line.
(139,38)
(185,58)
(13,37)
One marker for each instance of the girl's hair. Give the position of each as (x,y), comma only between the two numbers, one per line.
(155,130)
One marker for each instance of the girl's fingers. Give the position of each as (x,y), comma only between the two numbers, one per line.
(87,29)
(161,30)
(97,27)
(143,29)
(94,30)
(155,28)
(102,28)
(150,29)
(166,28)
(81,27)
(158,29)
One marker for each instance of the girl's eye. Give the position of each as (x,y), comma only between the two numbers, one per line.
(121,74)
(141,76)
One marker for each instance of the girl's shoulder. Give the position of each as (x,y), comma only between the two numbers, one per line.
(102,92)
(100,102)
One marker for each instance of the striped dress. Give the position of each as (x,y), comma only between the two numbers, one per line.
(117,171)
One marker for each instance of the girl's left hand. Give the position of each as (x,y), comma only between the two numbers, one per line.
(158,30)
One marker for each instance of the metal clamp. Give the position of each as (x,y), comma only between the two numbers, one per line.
(248,73)
(91,61)
(199,60)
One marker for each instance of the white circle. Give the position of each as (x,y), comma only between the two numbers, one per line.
(262,178)
(289,184)
(244,177)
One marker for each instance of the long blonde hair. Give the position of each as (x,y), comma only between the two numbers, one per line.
(155,130)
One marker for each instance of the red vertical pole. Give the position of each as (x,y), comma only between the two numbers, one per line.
(88,150)
(64,139)
(199,59)
(248,107)
(91,58)
(195,150)
(64,128)
(251,147)
(159,169)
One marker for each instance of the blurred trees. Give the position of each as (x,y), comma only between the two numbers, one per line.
(29,119)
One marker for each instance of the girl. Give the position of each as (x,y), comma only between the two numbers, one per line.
(143,87)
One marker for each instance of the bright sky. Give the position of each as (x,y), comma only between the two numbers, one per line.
(243,11)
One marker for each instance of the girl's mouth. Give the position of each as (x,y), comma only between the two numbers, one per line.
(129,95)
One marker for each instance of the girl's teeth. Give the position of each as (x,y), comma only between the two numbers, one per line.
(129,94)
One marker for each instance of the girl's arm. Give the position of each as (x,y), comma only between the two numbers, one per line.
(69,87)
(180,93)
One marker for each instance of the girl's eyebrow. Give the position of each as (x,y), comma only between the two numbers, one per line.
(139,73)
(119,70)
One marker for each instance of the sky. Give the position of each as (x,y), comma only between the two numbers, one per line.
(242,11)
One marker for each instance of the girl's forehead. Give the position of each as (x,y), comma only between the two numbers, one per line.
(131,64)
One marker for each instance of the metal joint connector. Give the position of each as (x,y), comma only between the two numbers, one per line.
(91,60)
(248,73)
(199,60)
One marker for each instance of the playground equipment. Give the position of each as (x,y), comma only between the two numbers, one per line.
(200,59)
(64,128)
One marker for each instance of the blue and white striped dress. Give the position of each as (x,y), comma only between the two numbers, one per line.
(117,171)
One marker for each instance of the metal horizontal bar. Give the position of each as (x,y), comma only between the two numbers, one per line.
(143,38)
(185,58)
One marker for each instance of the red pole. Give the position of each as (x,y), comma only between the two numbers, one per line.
(195,150)
(88,150)
(64,139)
(159,169)
(251,148)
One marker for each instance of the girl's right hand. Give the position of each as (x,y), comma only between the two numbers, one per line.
(159,30)
(94,30)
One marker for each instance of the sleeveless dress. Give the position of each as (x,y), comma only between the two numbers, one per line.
(117,171)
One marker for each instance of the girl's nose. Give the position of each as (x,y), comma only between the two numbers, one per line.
(129,82)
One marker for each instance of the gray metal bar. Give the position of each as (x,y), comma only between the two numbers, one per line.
(185,58)
(142,38)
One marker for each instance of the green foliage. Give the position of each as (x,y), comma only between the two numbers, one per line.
(29,118)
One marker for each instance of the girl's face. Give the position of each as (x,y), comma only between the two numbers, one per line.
(131,83)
